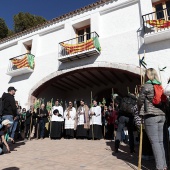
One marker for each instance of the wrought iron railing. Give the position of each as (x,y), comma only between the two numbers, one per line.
(79,44)
(22,61)
(156,21)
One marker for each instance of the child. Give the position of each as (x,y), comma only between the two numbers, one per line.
(3,131)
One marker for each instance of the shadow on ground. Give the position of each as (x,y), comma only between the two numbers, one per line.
(13,147)
(130,160)
(11,168)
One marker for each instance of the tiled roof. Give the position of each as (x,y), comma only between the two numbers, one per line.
(60,18)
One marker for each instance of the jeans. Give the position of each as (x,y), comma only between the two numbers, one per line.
(1,149)
(14,127)
(11,119)
(169,133)
(154,129)
(129,121)
(42,128)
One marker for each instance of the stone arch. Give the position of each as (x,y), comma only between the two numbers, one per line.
(118,66)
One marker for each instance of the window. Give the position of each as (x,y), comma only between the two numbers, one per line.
(162,9)
(27,46)
(159,11)
(83,34)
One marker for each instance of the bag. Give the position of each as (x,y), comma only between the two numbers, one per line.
(159,96)
(167,90)
(1,106)
(128,104)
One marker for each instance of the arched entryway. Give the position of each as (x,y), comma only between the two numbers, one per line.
(76,83)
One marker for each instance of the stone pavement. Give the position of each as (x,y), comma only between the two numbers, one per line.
(68,155)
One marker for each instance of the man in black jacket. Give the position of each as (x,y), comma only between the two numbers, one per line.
(42,118)
(9,108)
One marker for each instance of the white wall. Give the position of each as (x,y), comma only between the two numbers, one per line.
(117,26)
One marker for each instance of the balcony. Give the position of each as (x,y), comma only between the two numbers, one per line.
(21,64)
(83,46)
(156,26)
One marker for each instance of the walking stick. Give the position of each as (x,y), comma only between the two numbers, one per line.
(37,121)
(104,102)
(51,118)
(92,118)
(30,129)
(140,145)
(141,126)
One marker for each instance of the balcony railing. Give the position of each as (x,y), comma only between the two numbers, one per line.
(156,21)
(21,64)
(83,46)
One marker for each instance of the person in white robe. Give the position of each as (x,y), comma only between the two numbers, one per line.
(95,114)
(57,121)
(69,116)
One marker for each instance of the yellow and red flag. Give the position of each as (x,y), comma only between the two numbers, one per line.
(26,61)
(75,48)
(160,23)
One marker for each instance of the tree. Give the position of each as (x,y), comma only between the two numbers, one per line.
(10,32)
(3,29)
(23,21)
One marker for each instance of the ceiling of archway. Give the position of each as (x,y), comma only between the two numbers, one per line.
(89,78)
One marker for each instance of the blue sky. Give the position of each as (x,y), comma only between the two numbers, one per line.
(47,8)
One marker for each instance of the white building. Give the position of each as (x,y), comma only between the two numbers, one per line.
(68,61)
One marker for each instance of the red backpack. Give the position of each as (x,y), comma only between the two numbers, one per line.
(159,96)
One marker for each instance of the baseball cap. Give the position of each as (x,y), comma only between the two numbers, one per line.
(12,88)
(6,122)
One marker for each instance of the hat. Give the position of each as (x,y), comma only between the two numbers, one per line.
(6,122)
(11,88)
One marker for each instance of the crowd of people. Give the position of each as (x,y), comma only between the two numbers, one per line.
(95,122)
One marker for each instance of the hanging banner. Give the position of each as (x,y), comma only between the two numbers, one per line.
(89,44)
(26,61)
(159,23)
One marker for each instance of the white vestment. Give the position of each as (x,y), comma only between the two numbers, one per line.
(97,118)
(55,117)
(69,123)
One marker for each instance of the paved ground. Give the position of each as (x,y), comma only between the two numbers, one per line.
(69,155)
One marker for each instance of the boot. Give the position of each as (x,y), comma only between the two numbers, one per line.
(117,142)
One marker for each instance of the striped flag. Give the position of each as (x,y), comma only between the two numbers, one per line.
(160,23)
(89,44)
(26,61)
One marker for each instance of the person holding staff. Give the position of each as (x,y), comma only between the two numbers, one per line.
(95,122)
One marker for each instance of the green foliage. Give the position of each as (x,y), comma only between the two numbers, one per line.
(10,32)
(23,21)
(3,29)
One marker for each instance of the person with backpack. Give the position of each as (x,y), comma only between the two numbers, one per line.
(8,106)
(125,118)
(151,104)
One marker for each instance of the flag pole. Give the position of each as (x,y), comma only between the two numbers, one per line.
(140,71)
(141,126)
(160,74)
